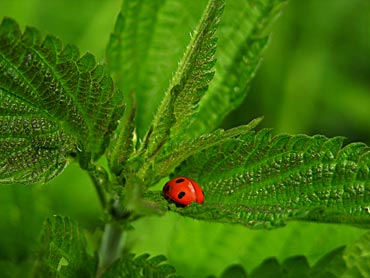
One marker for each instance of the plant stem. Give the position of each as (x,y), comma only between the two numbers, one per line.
(111,246)
(101,181)
(113,239)
(113,236)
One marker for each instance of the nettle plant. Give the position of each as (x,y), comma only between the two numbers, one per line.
(58,107)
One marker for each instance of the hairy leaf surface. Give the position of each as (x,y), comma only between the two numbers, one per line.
(62,251)
(243,35)
(142,266)
(190,81)
(52,101)
(143,52)
(260,181)
(174,153)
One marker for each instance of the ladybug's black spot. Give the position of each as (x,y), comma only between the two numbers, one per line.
(181,195)
(166,188)
(180,180)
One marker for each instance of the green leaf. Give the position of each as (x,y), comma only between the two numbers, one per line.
(173,154)
(142,266)
(52,100)
(292,267)
(260,181)
(63,251)
(124,144)
(143,52)
(347,261)
(243,37)
(357,257)
(190,81)
(130,41)
(351,260)
(330,265)
(234,271)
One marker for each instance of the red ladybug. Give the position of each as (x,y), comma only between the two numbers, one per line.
(183,191)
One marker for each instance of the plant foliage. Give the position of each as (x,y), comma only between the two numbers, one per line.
(345,261)
(190,81)
(142,266)
(139,59)
(239,54)
(259,180)
(54,104)
(63,251)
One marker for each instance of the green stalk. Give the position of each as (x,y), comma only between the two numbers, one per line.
(99,176)
(111,246)
(113,237)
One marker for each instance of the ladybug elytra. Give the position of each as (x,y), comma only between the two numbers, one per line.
(183,191)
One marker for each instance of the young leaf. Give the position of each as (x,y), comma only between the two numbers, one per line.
(243,37)
(62,251)
(124,144)
(190,81)
(129,44)
(142,266)
(51,101)
(173,154)
(260,181)
(143,51)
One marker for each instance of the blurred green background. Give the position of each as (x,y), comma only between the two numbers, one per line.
(315,78)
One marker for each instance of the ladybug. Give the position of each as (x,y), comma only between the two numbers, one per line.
(183,191)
